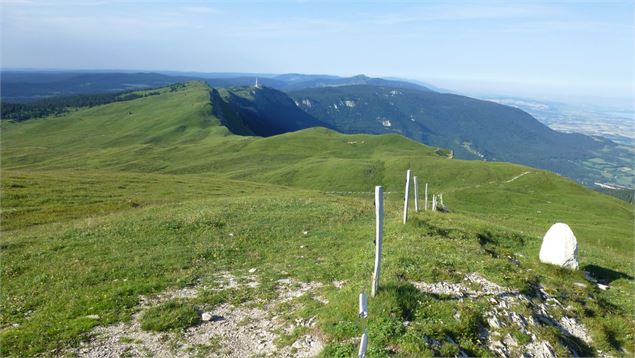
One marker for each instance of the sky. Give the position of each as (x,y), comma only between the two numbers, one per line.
(540,49)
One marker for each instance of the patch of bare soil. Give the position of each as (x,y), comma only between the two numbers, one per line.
(226,330)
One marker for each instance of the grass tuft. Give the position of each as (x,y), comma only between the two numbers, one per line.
(170,316)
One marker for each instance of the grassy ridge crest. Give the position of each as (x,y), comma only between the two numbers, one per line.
(102,205)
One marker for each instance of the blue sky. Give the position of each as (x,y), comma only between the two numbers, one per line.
(538,49)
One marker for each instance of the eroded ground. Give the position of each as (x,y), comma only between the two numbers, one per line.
(249,329)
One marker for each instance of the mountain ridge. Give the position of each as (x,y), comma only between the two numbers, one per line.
(20,86)
(107,208)
(443,120)
(472,128)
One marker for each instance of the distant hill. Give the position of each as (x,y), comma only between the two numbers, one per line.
(296,81)
(28,86)
(261,111)
(23,86)
(473,129)
(291,82)
(62,104)
(300,82)
(244,81)
(300,77)
(421,83)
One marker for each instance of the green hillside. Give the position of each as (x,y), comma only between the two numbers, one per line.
(151,195)
(472,128)
(176,133)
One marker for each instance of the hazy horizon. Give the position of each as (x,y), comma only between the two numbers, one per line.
(468,88)
(559,51)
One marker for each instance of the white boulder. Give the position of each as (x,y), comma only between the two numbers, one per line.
(559,247)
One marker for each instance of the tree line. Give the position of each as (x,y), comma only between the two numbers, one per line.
(62,104)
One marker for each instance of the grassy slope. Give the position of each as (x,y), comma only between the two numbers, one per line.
(469,127)
(156,229)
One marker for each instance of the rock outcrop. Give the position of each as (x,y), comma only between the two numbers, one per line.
(560,247)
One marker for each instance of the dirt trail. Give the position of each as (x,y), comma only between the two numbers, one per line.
(516,177)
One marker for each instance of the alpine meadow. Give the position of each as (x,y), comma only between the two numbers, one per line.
(152,196)
(317,179)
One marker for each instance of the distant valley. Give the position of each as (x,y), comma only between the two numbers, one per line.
(613,123)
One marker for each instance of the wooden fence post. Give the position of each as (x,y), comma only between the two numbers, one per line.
(425,203)
(379,229)
(416,194)
(363,344)
(363,305)
(405,203)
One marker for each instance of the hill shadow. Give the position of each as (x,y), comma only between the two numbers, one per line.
(605,275)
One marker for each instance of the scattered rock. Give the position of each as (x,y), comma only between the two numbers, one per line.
(488,287)
(338,284)
(510,341)
(455,290)
(253,270)
(242,331)
(289,289)
(503,315)
(539,350)
(234,335)
(573,327)
(499,348)
(305,346)
(92,316)
(560,247)
(226,281)
(459,291)
(493,322)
